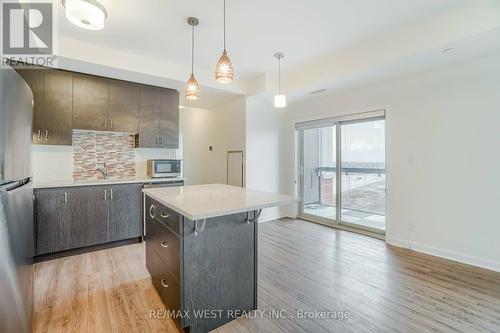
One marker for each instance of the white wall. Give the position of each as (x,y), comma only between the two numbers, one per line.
(266,149)
(223,128)
(443,163)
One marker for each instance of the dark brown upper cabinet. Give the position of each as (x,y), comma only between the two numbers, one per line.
(34,79)
(149,117)
(105,104)
(64,101)
(52,110)
(57,107)
(158,118)
(169,119)
(123,106)
(90,102)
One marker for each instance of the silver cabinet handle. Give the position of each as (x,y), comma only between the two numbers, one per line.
(164,244)
(111,194)
(164,283)
(165,216)
(65,197)
(39,134)
(161,141)
(151,213)
(110,122)
(46,135)
(105,124)
(156,140)
(105,194)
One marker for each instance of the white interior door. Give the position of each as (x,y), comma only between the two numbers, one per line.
(235,168)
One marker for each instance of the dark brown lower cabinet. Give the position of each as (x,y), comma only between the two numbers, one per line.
(214,270)
(75,217)
(125,211)
(89,216)
(53,218)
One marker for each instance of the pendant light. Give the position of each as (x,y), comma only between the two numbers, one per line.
(192,88)
(280,98)
(224,67)
(86,14)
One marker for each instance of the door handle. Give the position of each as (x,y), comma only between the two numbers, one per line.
(46,135)
(39,134)
(151,211)
(105,194)
(161,141)
(111,194)
(156,140)
(165,216)
(164,244)
(110,122)
(65,197)
(164,283)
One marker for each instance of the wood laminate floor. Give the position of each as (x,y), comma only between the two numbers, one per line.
(302,267)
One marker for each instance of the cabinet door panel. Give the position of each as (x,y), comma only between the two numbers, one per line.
(34,79)
(58,107)
(123,106)
(125,218)
(53,221)
(90,102)
(169,119)
(89,216)
(149,117)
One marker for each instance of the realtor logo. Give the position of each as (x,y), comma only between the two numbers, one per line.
(28,33)
(27,28)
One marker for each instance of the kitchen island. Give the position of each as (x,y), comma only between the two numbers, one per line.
(201,250)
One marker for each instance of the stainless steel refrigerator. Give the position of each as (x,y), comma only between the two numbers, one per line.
(16,203)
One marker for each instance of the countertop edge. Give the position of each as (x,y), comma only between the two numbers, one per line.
(221,213)
(62,184)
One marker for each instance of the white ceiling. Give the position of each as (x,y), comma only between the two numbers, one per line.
(303,29)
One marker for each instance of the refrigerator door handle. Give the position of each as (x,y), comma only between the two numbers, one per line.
(65,197)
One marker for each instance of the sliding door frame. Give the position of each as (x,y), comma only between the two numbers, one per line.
(337,122)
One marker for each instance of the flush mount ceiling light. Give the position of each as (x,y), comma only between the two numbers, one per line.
(280,98)
(86,14)
(192,88)
(224,67)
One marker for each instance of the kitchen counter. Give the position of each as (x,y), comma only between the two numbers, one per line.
(201,249)
(71,183)
(197,202)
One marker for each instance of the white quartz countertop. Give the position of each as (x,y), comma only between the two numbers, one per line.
(197,202)
(71,183)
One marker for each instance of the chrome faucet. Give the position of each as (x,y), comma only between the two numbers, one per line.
(103,170)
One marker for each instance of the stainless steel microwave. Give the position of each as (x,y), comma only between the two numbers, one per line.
(164,168)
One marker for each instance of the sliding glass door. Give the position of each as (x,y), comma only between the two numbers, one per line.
(363,175)
(342,172)
(319,181)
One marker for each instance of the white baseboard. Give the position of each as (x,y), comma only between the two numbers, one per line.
(446,254)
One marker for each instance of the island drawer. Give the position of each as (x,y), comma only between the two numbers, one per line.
(165,215)
(164,282)
(165,243)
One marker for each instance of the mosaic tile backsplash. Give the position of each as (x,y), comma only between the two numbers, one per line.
(93,149)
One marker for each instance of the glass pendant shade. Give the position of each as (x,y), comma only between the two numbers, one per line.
(86,14)
(280,101)
(192,88)
(224,69)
